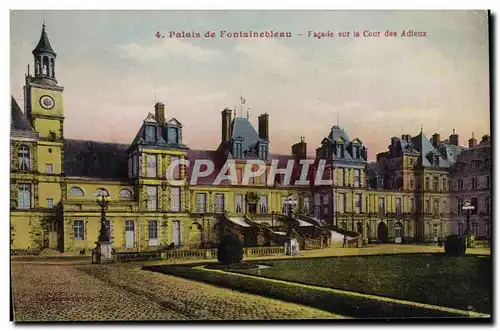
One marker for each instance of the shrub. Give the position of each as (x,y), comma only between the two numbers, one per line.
(454,245)
(230,250)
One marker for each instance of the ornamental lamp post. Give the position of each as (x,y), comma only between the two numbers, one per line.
(103,250)
(469,236)
(289,204)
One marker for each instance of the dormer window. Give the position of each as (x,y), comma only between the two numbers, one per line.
(173,135)
(436,160)
(263,151)
(238,152)
(150,134)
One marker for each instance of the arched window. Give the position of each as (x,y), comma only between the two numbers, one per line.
(24,158)
(52,68)
(101,191)
(45,66)
(76,192)
(125,194)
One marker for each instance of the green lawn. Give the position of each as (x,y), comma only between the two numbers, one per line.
(456,282)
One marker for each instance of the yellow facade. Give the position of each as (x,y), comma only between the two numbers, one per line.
(51,207)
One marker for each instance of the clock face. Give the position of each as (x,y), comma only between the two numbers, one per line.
(47,102)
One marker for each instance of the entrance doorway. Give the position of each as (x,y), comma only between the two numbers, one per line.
(398,233)
(382,232)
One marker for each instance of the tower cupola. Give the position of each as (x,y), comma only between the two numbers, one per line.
(45,61)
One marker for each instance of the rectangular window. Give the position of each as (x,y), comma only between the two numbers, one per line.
(238,201)
(427,206)
(150,133)
(460,184)
(152,198)
(201,202)
(435,183)
(24,158)
(176,171)
(427,181)
(79,229)
(305,205)
(460,204)
(473,202)
(49,168)
(49,203)
(444,184)
(358,200)
(436,207)
(175,198)
(398,206)
(129,225)
(460,228)
(381,205)
(474,182)
(412,205)
(487,181)
(488,202)
(151,167)
(346,176)
(357,177)
(340,180)
(219,203)
(342,203)
(24,196)
(263,204)
(153,230)
(411,184)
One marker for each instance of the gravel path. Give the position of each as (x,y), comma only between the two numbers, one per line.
(47,292)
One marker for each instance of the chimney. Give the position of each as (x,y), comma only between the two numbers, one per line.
(264,126)
(226,125)
(454,138)
(435,140)
(485,139)
(299,150)
(472,141)
(160,112)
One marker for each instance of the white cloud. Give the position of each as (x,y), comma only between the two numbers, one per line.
(167,48)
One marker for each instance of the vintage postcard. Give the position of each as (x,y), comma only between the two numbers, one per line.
(250,165)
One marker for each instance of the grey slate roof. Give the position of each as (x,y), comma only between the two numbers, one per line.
(18,121)
(44,44)
(85,158)
(243,128)
(337,132)
(450,152)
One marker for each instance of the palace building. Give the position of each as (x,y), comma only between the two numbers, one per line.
(405,196)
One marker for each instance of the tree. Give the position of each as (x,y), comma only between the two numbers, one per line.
(455,245)
(230,250)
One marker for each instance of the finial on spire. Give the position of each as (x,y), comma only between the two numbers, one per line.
(472,135)
(421,128)
(453,131)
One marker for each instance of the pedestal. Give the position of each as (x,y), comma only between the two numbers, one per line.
(106,252)
(469,240)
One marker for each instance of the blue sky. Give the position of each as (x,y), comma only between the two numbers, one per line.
(113,68)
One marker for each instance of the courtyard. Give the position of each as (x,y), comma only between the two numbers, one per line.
(74,289)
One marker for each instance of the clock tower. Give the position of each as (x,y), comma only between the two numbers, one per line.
(44,107)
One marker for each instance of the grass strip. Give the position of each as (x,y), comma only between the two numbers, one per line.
(340,302)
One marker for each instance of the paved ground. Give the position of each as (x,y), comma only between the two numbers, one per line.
(73,289)
(57,291)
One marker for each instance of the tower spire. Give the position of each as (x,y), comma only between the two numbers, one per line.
(45,60)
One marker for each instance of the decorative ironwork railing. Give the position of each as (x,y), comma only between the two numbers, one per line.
(194,254)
